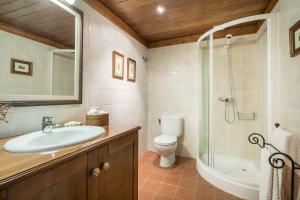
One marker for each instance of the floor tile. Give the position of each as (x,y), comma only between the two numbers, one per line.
(180,182)
(145,195)
(184,183)
(183,193)
(172,180)
(162,197)
(167,189)
(151,185)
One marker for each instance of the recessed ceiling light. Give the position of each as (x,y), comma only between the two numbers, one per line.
(71,1)
(161,9)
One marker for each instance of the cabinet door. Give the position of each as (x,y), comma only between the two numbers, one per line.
(118,161)
(63,182)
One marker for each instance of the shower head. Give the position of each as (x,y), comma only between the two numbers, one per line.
(228,37)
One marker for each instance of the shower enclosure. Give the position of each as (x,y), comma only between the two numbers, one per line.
(235,102)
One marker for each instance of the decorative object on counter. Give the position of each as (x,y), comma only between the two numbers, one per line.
(94,110)
(295,39)
(97,117)
(21,67)
(118,65)
(131,70)
(3,112)
(72,123)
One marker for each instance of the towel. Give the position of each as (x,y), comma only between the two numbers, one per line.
(292,148)
(289,143)
(280,138)
(266,176)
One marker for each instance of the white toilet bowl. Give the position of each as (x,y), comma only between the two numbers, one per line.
(166,147)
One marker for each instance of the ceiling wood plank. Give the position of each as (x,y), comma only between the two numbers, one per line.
(269,9)
(41,18)
(28,35)
(235,31)
(103,10)
(184,20)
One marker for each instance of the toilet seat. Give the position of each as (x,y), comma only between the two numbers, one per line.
(165,140)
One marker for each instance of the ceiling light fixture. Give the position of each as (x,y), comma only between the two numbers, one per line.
(71,1)
(161,9)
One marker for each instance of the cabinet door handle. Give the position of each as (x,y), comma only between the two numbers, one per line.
(95,172)
(106,166)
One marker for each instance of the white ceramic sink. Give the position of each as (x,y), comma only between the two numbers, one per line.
(58,138)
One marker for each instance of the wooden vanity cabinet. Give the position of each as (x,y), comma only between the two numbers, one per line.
(113,170)
(63,182)
(108,172)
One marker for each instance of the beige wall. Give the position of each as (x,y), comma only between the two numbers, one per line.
(173,89)
(125,101)
(63,74)
(288,75)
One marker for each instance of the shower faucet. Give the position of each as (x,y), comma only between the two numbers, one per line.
(223,99)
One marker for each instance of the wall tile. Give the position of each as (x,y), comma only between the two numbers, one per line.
(173,89)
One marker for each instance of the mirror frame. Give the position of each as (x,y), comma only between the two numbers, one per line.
(59,102)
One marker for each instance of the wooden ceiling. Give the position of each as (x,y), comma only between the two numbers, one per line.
(40,20)
(183,21)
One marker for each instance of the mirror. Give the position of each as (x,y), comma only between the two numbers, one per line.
(41,57)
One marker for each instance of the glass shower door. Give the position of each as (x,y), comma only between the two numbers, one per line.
(238,102)
(204,99)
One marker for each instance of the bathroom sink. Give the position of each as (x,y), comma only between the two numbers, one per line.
(57,138)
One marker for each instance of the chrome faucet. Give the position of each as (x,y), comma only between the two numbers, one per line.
(47,124)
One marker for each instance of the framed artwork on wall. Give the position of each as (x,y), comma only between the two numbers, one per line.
(118,65)
(295,39)
(131,70)
(21,67)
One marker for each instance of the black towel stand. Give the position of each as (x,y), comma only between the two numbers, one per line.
(278,159)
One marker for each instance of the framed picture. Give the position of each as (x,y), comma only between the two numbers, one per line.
(131,70)
(21,67)
(295,39)
(118,65)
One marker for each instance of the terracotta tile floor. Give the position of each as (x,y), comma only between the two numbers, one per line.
(181,182)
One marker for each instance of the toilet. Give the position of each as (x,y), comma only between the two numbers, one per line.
(166,143)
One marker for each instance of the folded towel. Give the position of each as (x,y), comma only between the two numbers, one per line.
(266,176)
(280,138)
(289,143)
(292,148)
